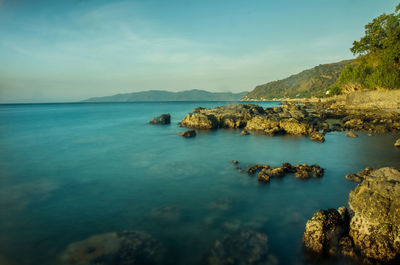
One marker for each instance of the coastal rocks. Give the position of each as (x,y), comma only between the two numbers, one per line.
(324,230)
(163,119)
(397,143)
(305,171)
(351,134)
(244,132)
(265,172)
(360,176)
(317,137)
(375,225)
(244,247)
(188,134)
(371,232)
(118,248)
(295,127)
(199,121)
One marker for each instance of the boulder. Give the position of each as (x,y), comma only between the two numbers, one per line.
(305,171)
(360,176)
(163,119)
(371,233)
(263,176)
(243,247)
(188,134)
(244,132)
(199,121)
(397,143)
(295,127)
(317,137)
(324,230)
(118,248)
(375,225)
(351,134)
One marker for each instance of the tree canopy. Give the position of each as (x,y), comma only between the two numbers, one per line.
(378,66)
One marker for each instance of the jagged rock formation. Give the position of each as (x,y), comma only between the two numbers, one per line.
(372,232)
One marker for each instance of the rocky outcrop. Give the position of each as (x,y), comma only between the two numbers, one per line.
(306,119)
(265,172)
(119,248)
(163,119)
(360,176)
(351,134)
(375,225)
(325,229)
(372,231)
(188,134)
(244,132)
(244,247)
(317,137)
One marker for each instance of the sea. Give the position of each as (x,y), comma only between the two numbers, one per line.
(73,170)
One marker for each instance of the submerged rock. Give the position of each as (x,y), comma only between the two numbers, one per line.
(242,248)
(351,134)
(317,137)
(372,231)
(163,119)
(167,213)
(118,248)
(188,134)
(235,162)
(244,132)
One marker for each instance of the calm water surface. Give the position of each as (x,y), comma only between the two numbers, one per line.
(69,171)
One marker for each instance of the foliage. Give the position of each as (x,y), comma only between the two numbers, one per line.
(335,90)
(378,66)
(311,82)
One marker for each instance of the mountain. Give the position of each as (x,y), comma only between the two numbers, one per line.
(309,83)
(159,95)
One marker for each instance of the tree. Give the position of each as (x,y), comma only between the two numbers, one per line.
(379,63)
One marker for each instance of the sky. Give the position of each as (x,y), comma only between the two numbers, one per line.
(61,51)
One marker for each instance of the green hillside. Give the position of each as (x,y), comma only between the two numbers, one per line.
(309,83)
(159,95)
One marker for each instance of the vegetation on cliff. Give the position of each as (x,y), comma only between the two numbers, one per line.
(378,66)
(311,82)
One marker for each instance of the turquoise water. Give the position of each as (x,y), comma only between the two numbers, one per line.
(69,171)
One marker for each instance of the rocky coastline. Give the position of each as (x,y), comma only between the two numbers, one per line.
(308,119)
(369,231)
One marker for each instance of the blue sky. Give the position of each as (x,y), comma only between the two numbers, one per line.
(70,50)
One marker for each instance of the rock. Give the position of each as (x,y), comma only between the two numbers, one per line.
(351,134)
(253,169)
(244,247)
(371,233)
(295,127)
(199,121)
(375,225)
(288,168)
(317,137)
(163,119)
(360,176)
(263,176)
(304,171)
(323,232)
(118,248)
(235,162)
(188,134)
(397,143)
(244,132)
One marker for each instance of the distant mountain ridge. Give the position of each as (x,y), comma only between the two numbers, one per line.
(312,82)
(160,95)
